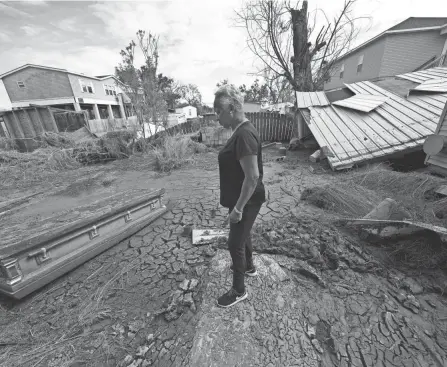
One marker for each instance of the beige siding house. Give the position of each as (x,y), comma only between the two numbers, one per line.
(401,49)
(102,97)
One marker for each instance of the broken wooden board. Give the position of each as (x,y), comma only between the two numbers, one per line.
(401,227)
(37,250)
(442,190)
(206,236)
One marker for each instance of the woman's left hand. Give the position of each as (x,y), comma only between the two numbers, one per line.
(234,217)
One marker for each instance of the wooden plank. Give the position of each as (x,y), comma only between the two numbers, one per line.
(275,127)
(9,126)
(30,120)
(267,126)
(53,121)
(40,120)
(19,126)
(264,123)
(284,129)
(442,190)
(281,128)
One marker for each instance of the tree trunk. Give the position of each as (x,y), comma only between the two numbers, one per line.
(301,55)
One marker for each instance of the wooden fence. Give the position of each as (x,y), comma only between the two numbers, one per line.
(102,126)
(27,123)
(69,121)
(272,126)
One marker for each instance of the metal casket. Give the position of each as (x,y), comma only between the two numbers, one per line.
(31,258)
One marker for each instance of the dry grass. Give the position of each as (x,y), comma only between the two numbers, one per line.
(175,152)
(16,166)
(7,144)
(357,193)
(61,347)
(344,199)
(419,252)
(413,191)
(58,152)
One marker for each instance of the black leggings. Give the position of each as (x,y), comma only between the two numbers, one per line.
(240,246)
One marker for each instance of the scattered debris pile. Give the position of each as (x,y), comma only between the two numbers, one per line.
(391,209)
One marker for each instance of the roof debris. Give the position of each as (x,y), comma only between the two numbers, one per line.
(433,85)
(424,75)
(392,124)
(309,99)
(361,102)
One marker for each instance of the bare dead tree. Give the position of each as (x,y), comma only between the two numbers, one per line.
(279,35)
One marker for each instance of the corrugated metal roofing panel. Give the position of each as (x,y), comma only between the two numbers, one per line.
(354,137)
(433,85)
(424,75)
(432,102)
(309,99)
(362,102)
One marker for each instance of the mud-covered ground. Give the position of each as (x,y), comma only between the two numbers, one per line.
(323,297)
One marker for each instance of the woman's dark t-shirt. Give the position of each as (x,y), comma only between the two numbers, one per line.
(245,141)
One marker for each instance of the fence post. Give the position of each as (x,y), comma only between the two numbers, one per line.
(53,121)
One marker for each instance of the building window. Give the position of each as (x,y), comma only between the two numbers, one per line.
(360,65)
(190,112)
(342,71)
(21,84)
(87,87)
(110,90)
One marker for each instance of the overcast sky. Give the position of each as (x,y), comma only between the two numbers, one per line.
(198,41)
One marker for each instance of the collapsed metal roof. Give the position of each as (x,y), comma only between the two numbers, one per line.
(430,101)
(309,99)
(433,85)
(360,102)
(396,125)
(424,75)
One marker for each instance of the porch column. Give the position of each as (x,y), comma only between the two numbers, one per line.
(77,106)
(96,112)
(110,111)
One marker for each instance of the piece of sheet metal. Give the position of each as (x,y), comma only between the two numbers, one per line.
(361,102)
(395,126)
(419,226)
(433,85)
(50,248)
(432,102)
(309,99)
(206,236)
(424,75)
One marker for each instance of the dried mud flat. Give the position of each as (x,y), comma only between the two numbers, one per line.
(322,297)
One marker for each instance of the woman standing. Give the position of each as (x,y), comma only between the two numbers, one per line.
(241,187)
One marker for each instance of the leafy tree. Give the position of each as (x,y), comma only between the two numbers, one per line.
(222,82)
(169,88)
(191,94)
(142,82)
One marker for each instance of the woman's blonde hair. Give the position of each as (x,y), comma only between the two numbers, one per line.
(229,94)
